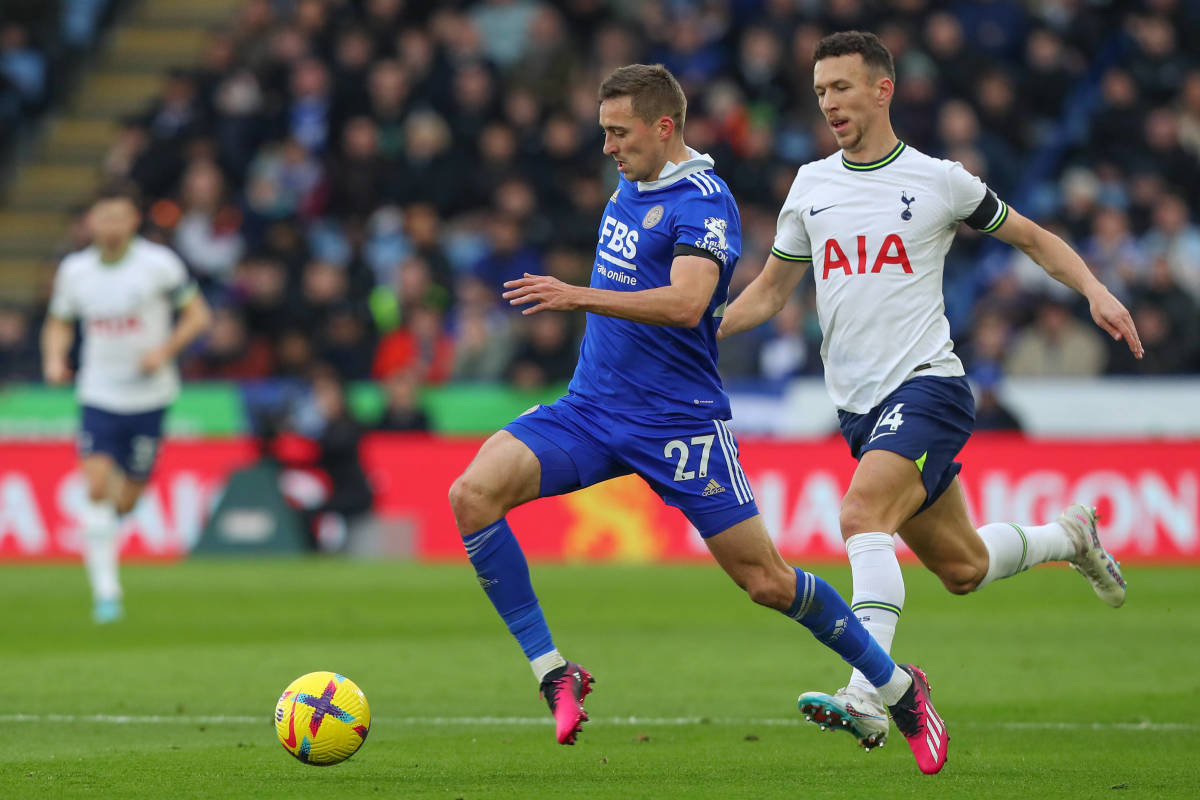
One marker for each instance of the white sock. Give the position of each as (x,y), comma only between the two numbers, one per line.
(100,549)
(878,592)
(546,663)
(894,689)
(1015,548)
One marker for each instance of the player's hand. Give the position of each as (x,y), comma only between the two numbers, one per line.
(154,360)
(1112,316)
(56,371)
(545,292)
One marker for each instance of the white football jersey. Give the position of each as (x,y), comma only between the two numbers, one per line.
(124,311)
(876,236)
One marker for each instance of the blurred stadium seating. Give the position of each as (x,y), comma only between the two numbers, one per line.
(351,180)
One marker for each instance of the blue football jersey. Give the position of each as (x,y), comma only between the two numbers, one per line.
(653,369)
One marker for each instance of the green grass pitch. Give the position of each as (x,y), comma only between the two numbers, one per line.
(1047,692)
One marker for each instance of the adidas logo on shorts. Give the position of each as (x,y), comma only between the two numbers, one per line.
(712,488)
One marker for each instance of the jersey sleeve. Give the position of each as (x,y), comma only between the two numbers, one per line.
(973,202)
(706,226)
(174,280)
(791,238)
(62,302)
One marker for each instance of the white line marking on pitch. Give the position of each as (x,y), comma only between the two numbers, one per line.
(183,719)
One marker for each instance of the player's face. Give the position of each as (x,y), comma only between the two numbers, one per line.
(639,148)
(112,222)
(849,96)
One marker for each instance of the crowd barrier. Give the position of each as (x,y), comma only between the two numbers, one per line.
(1148,494)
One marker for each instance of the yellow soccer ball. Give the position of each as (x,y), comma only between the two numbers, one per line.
(322,718)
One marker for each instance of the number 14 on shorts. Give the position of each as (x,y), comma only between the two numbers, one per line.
(890,418)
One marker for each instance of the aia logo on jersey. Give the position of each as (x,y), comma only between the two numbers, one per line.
(115,325)
(890,252)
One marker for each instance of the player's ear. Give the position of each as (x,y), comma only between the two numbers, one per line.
(884,89)
(666,127)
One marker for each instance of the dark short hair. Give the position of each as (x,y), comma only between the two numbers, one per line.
(652,88)
(874,54)
(120,190)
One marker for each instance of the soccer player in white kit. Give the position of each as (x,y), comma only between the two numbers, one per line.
(874,221)
(122,290)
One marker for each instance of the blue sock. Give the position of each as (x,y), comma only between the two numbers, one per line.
(822,610)
(504,575)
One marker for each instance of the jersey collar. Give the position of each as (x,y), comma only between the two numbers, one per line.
(672,172)
(857,166)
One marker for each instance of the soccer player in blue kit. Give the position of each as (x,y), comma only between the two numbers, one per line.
(646,399)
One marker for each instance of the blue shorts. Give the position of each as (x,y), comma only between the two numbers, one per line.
(690,463)
(927,419)
(131,439)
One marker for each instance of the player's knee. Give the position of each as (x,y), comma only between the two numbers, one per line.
(856,516)
(961,577)
(472,503)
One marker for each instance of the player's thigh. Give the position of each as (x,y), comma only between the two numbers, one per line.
(885,491)
(504,473)
(943,537)
(745,549)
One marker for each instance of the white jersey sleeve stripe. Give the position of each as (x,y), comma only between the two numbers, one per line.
(703,190)
(998,219)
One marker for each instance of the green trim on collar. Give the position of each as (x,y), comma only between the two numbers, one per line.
(883,162)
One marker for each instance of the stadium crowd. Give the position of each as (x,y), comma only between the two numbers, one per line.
(351,181)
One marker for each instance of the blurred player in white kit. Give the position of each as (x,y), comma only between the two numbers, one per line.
(122,290)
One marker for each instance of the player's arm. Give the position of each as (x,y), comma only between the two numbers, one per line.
(58,335)
(1060,262)
(194,319)
(764,297)
(681,304)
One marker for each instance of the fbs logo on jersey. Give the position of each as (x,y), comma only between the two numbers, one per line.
(714,240)
(712,488)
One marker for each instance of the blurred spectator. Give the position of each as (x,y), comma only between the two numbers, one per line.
(546,352)
(1057,345)
(1165,350)
(483,346)
(426,171)
(359,172)
(421,346)
(350,495)
(345,342)
(230,352)
(990,413)
(207,230)
(508,256)
(23,65)
(310,113)
(785,354)
(507,23)
(1176,240)
(284,181)
(389,88)
(1112,252)
(177,115)
(20,359)
(402,410)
